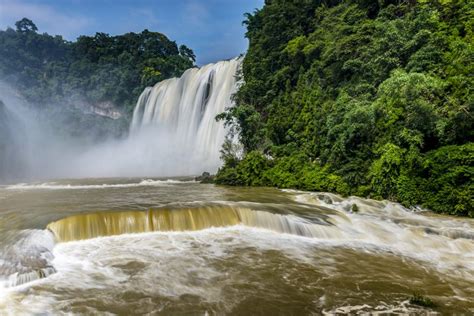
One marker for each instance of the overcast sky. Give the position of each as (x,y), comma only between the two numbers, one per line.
(212,28)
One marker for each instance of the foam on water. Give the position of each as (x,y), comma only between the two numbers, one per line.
(179,260)
(445,242)
(200,252)
(387,227)
(28,259)
(56,186)
(175,265)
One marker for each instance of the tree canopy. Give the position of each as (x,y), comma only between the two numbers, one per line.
(49,69)
(25,25)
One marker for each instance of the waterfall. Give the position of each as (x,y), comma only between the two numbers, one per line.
(86,226)
(173,133)
(183,110)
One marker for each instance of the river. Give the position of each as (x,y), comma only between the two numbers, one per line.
(136,246)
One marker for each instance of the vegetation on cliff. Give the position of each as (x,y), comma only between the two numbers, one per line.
(94,70)
(372,98)
(99,68)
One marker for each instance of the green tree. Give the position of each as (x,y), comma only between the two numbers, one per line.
(25,25)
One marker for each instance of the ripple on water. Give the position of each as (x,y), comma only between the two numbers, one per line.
(235,270)
(369,261)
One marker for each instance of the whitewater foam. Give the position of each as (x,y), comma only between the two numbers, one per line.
(28,259)
(56,186)
(173,265)
(393,228)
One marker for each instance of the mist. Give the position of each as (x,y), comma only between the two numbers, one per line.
(173,133)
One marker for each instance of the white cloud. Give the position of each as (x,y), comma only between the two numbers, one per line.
(46,18)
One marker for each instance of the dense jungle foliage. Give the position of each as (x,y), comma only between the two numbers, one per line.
(362,97)
(51,72)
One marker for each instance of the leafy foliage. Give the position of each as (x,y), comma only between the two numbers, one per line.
(49,70)
(373,98)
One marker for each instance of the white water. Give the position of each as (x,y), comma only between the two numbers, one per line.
(171,265)
(184,110)
(28,259)
(57,186)
(282,245)
(445,242)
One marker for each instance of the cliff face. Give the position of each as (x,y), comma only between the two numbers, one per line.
(106,109)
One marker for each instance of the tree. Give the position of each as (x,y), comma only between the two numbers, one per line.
(187,52)
(25,26)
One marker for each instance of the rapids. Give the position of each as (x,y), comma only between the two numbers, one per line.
(176,246)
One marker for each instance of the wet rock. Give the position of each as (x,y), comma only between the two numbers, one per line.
(354,208)
(420,300)
(324,198)
(206,177)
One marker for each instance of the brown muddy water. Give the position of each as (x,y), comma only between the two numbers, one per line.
(151,246)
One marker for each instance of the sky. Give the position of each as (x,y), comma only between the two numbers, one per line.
(212,28)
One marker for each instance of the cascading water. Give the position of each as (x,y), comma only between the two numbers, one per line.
(184,110)
(102,224)
(173,132)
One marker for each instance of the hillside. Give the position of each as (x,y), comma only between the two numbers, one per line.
(360,98)
(90,82)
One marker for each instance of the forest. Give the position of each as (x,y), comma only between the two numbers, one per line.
(366,98)
(59,76)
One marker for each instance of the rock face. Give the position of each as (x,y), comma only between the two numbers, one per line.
(105,109)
